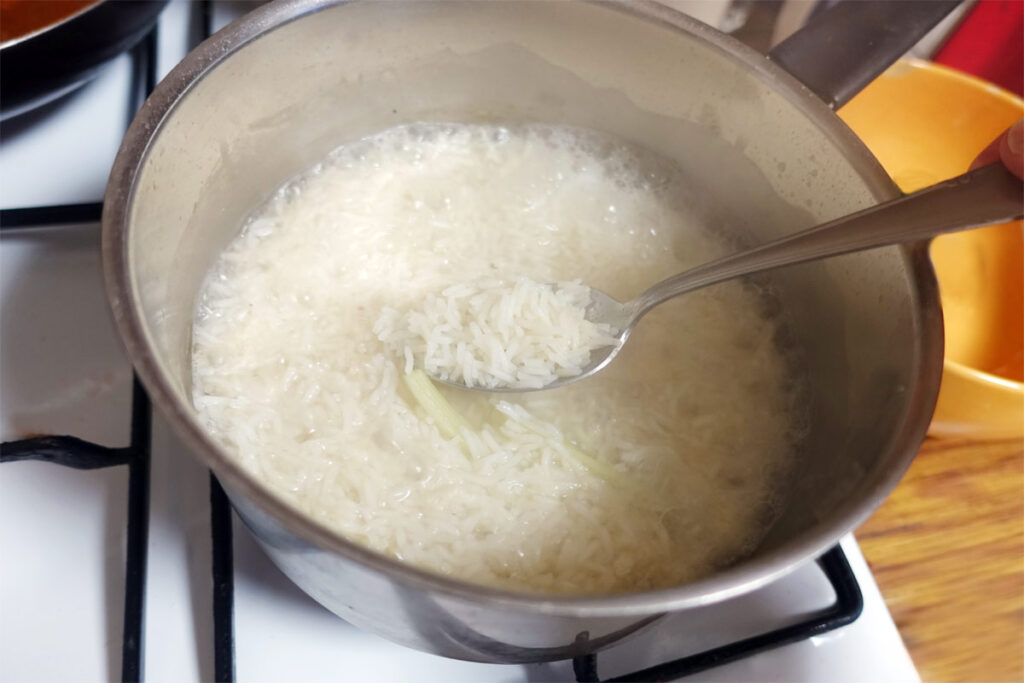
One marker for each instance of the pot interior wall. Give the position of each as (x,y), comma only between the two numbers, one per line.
(757,163)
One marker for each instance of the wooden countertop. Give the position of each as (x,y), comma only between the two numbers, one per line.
(947,550)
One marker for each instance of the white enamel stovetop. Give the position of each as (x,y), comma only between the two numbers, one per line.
(62,531)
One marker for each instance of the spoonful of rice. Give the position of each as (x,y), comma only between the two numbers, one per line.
(522,335)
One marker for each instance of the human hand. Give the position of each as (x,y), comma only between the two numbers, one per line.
(1009,148)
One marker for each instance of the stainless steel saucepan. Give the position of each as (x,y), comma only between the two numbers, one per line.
(268,96)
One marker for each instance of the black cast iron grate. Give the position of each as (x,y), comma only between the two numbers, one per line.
(76,453)
(72,452)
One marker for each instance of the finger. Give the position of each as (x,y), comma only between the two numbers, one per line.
(1011,149)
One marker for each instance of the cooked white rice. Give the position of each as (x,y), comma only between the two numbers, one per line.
(497,333)
(655,472)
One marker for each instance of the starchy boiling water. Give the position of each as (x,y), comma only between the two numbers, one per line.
(657,471)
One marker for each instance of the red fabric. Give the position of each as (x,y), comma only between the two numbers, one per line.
(989,43)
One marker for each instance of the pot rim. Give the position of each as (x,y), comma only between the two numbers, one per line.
(743,577)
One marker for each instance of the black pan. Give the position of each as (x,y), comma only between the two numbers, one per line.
(45,64)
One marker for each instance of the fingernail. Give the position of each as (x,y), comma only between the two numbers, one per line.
(1015,137)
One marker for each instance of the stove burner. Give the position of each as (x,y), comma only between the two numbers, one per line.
(76,453)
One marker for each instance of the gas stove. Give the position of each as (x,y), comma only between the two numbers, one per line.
(122,557)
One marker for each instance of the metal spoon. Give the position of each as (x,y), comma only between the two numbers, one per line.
(988,195)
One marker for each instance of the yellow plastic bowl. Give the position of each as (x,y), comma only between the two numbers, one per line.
(927,123)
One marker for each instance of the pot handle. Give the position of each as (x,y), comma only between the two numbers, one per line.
(851,43)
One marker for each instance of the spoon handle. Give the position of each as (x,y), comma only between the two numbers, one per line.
(987,195)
